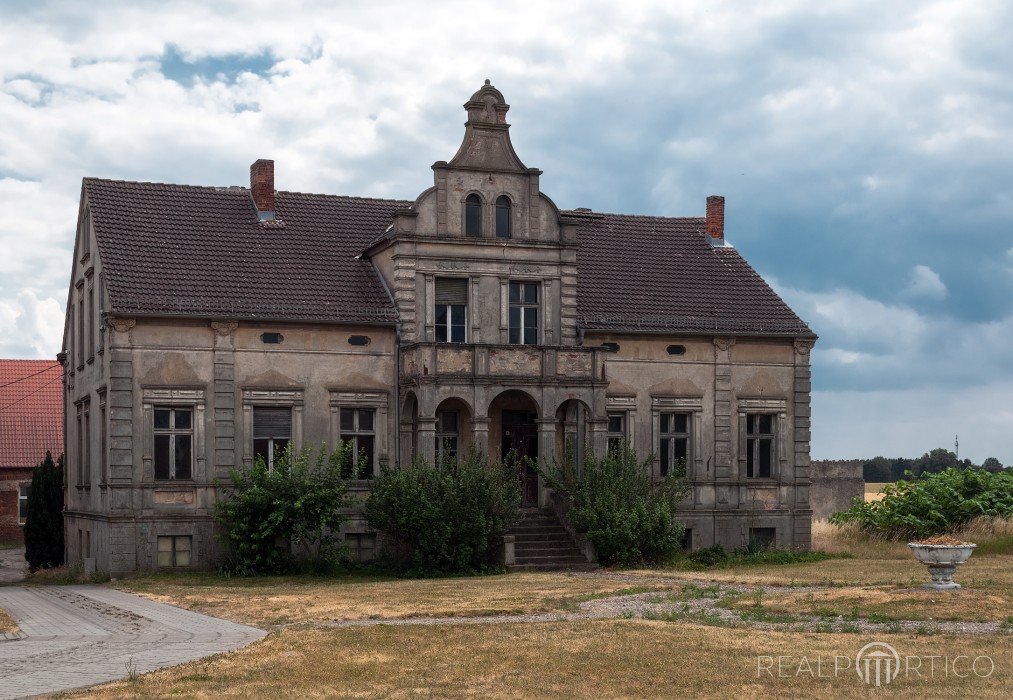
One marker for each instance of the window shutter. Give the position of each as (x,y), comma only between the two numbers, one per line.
(272,422)
(451,291)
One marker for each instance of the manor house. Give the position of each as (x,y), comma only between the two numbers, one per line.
(208,325)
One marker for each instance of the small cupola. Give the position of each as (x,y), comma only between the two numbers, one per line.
(487,106)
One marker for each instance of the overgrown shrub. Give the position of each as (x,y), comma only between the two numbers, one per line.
(933,504)
(297,504)
(445,518)
(44,522)
(717,557)
(627,515)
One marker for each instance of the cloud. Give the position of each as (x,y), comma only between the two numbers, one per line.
(925,284)
(865,149)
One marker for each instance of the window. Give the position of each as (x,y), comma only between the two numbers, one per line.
(616,430)
(447,433)
(174,550)
(504,225)
(357,427)
(80,331)
(86,458)
(173,443)
(674,444)
(272,432)
(762,537)
(523,313)
(23,503)
(676,349)
(473,215)
(451,309)
(360,546)
(103,457)
(80,445)
(271,338)
(687,539)
(91,324)
(759,445)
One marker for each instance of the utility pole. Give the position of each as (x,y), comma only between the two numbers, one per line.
(956,446)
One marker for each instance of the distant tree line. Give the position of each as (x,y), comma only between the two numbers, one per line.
(884,469)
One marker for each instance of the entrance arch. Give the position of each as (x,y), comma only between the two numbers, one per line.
(513,432)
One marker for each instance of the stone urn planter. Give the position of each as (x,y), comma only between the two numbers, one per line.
(942,555)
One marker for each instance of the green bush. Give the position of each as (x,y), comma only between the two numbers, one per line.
(445,518)
(297,504)
(717,557)
(629,518)
(44,523)
(933,504)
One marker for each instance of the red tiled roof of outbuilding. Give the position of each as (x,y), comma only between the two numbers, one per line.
(31,411)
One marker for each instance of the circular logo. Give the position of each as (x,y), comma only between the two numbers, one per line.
(877,663)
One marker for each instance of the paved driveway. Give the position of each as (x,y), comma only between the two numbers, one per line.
(12,565)
(76,636)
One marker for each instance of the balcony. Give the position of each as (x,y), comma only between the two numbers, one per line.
(421,362)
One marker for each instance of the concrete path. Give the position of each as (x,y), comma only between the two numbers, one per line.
(13,566)
(76,636)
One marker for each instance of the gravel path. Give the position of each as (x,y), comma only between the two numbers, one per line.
(692,601)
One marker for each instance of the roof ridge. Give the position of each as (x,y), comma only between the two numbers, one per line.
(591,213)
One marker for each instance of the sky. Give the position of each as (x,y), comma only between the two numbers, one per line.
(865,150)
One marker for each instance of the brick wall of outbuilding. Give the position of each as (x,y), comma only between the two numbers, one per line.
(10,480)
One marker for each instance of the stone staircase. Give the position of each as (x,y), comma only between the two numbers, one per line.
(542,543)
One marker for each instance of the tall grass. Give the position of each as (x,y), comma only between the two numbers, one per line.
(992,535)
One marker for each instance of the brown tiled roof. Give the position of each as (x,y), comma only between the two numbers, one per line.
(31,411)
(200,251)
(652,273)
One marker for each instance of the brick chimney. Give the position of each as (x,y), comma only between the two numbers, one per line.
(716,218)
(262,188)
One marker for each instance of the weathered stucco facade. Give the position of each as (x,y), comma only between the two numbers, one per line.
(482,332)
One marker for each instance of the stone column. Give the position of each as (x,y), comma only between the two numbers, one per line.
(546,447)
(802,414)
(426,444)
(224,399)
(480,434)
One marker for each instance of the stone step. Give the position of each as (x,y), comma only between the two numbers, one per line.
(540,536)
(552,561)
(555,553)
(586,566)
(540,545)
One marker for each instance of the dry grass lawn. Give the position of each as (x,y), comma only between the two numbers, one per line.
(283,600)
(6,622)
(606,659)
(873,491)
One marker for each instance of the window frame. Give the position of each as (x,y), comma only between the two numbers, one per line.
(357,432)
(673,436)
(173,433)
(444,435)
(182,397)
(472,202)
(509,207)
(615,438)
(23,490)
(272,447)
(524,307)
(754,438)
(174,551)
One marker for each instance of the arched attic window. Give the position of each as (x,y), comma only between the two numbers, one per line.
(504,223)
(473,215)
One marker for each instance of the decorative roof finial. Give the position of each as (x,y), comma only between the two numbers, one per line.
(487,82)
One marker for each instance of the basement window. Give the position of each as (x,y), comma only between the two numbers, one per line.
(174,550)
(272,338)
(762,537)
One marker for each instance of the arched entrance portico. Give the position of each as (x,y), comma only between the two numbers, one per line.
(513,433)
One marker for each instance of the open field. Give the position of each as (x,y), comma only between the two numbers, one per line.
(280,600)
(674,655)
(616,658)
(873,491)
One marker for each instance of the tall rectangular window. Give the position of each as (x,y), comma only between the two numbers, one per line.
(451,310)
(173,442)
(80,445)
(80,330)
(358,428)
(91,324)
(272,432)
(673,449)
(524,308)
(23,503)
(447,434)
(86,461)
(616,430)
(174,550)
(760,445)
(103,457)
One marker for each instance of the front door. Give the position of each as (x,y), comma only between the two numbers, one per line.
(520,436)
